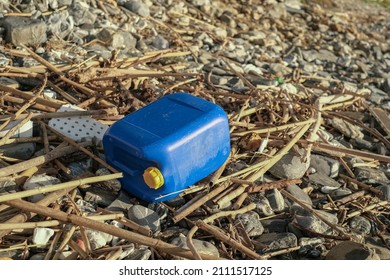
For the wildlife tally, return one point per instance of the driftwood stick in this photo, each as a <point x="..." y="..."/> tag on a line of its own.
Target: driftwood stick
<point x="281" y="252"/>
<point x="314" y="213"/>
<point x="192" y="205"/>
<point x="360" y="184"/>
<point x="83" y="221"/>
<point x="61" y="186"/>
<point x="341" y="152"/>
<point x="344" y="200"/>
<point x="253" y="188"/>
<point x="56" y="153"/>
<point x="366" y="209"/>
<point x="54" y="69"/>
<point x="274" y="129"/>
<point x="22" y="217"/>
<point x="84" y="150"/>
<point x="240" y="200"/>
<point x="28" y="139"/>
<point x="53" y="223"/>
<point x="129" y="223"/>
<point x="210" y="219"/>
<point x="49" y="102"/>
<point x="67" y="236"/>
<point x="217" y="233"/>
<point x="12" y="131"/>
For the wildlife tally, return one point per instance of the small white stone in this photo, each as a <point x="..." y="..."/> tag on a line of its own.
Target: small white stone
<point x="42" y="235"/>
<point x="38" y="181"/>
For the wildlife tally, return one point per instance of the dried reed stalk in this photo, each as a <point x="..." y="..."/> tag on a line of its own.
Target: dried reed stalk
<point x="121" y="233"/>
<point x="56" y="153"/>
<point x="57" y="187"/>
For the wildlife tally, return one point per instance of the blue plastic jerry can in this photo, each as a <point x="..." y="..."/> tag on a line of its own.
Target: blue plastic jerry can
<point x="168" y="145"/>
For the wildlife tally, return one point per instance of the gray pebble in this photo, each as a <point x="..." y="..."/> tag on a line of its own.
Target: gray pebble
<point x="347" y="129"/>
<point x="325" y="165"/>
<point x="251" y="222"/>
<point x="100" y="197"/>
<point x="360" y="225"/>
<point x="312" y="223"/>
<point x="276" y="200"/>
<point x="371" y="175"/>
<point x="274" y="225"/>
<point x="323" y="180"/>
<point x="139" y="254"/>
<point x="121" y="203"/>
<point x="262" y="205"/>
<point x="349" y="250"/>
<point x="299" y="194"/>
<point x="38" y="181"/>
<point x="145" y="217"/>
<point x="203" y="247"/>
<point x="291" y="166"/>
<point x="385" y="189"/>
<point x="277" y="241"/>
<point x="22" y="151"/>
<point x="138" y="7"/>
<point x="98" y="239"/>
<point x="123" y="39"/>
<point x="160" y="43"/>
<point x="23" y="30"/>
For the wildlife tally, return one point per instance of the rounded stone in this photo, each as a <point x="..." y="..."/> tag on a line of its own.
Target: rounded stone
<point x="251" y="223"/>
<point x="349" y="250"/>
<point x="145" y="217"/>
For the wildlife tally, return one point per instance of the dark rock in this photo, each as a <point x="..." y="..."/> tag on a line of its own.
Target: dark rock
<point x="274" y="225"/>
<point x="340" y="193"/>
<point x="23" y="30"/>
<point x="100" y="197"/>
<point x="175" y="202"/>
<point x="22" y="151"/>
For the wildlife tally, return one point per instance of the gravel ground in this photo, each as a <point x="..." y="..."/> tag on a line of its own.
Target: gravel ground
<point x="305" y="85"/>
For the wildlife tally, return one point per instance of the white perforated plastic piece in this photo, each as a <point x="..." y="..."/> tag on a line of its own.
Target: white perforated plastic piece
<point x="79" y="127"/>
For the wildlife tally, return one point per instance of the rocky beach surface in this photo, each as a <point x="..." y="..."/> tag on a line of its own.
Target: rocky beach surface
<point x="305" y="84"/>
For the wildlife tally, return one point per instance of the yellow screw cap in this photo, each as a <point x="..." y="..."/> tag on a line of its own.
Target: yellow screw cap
<point x="153" y="177"/>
